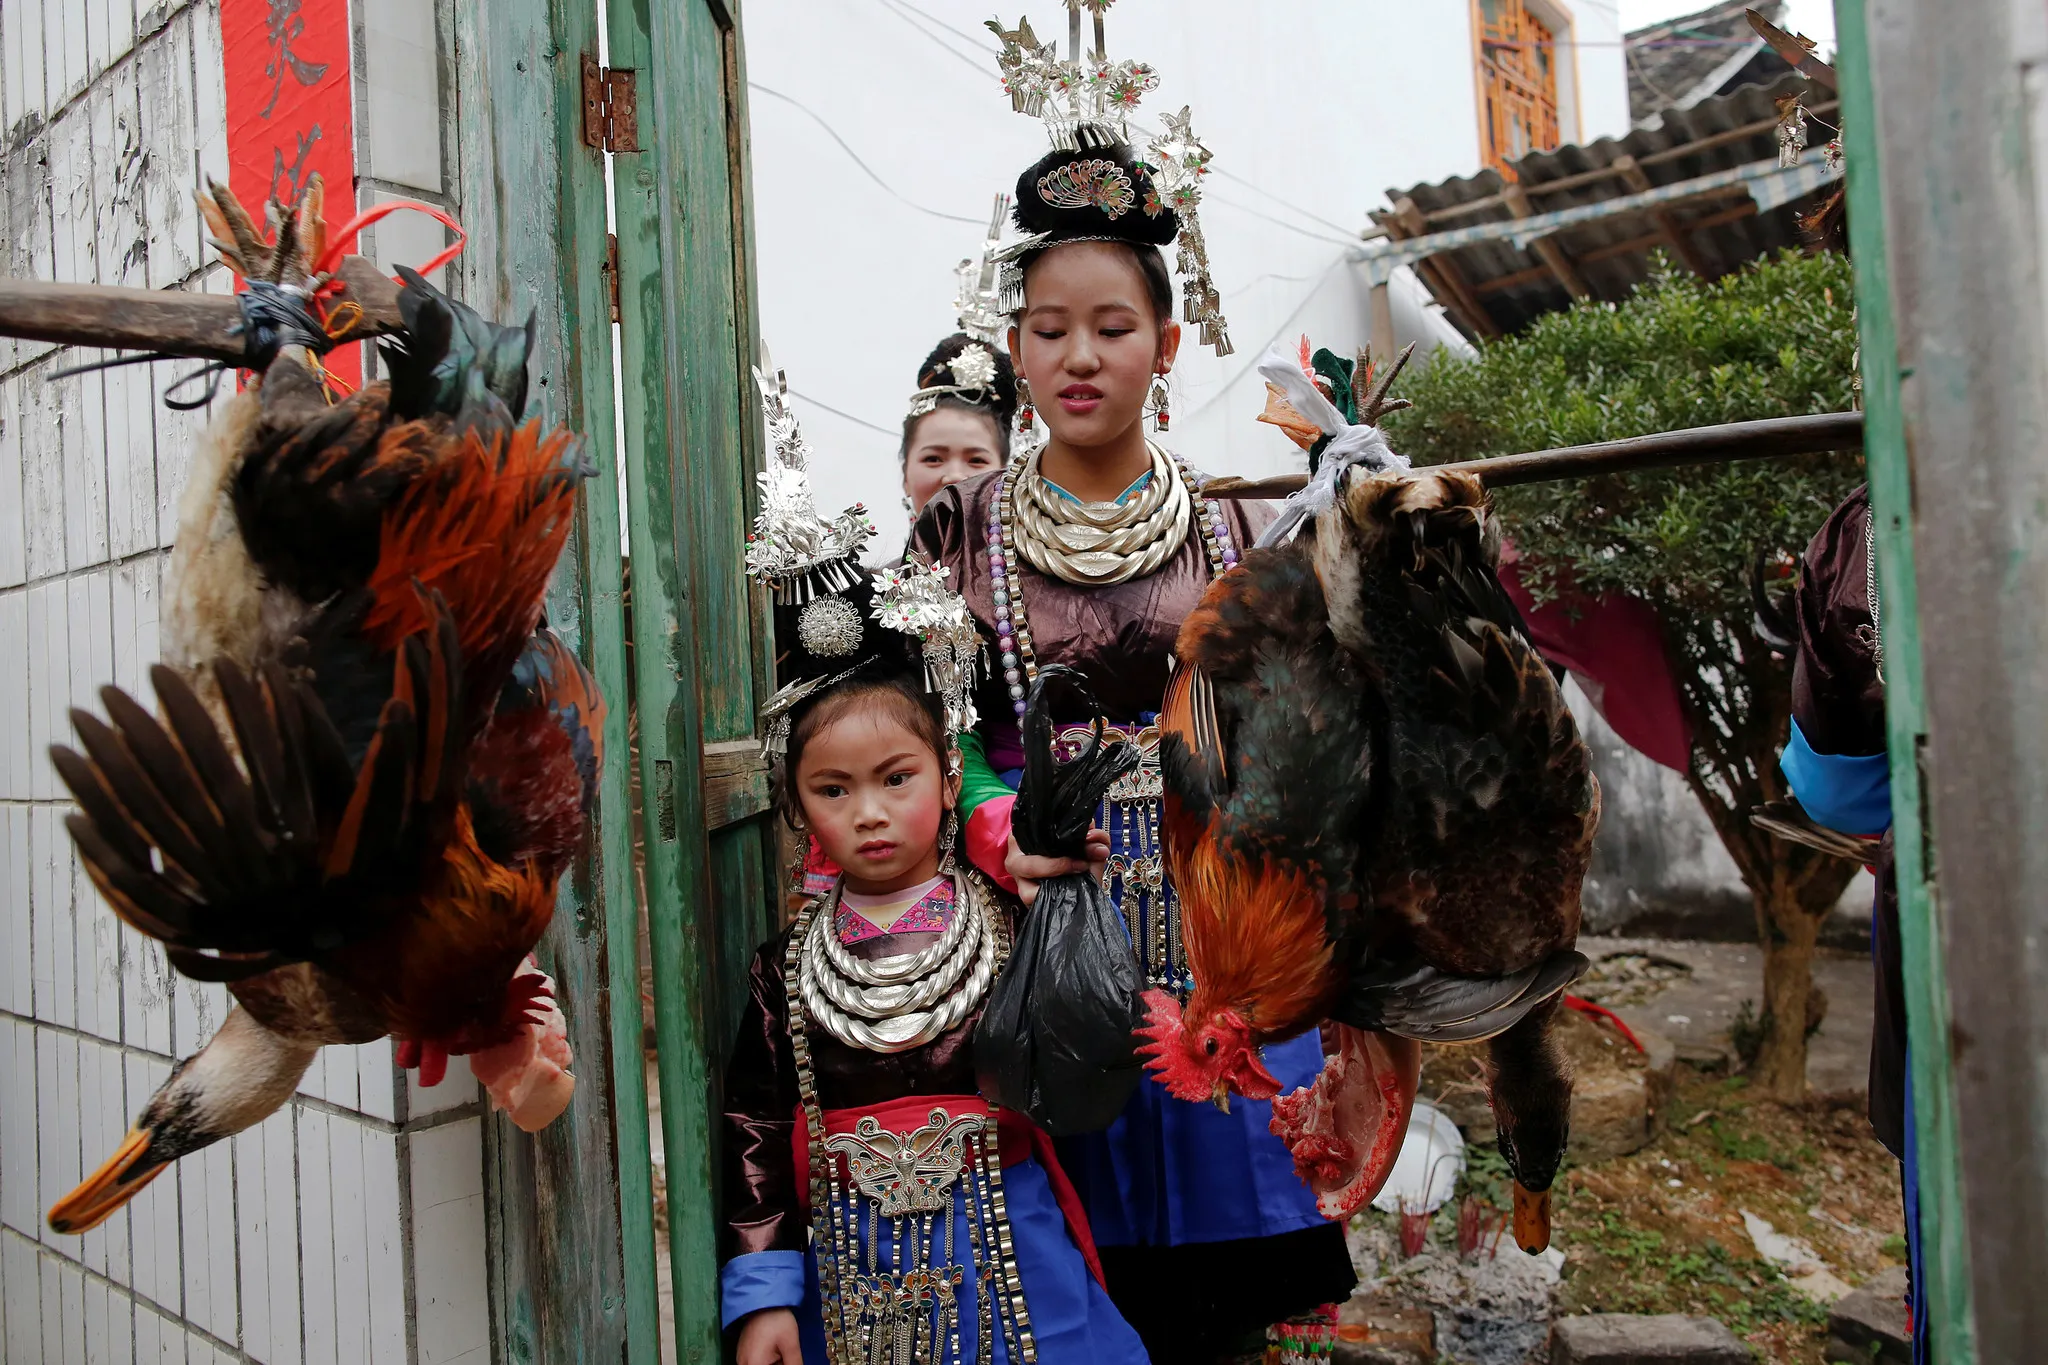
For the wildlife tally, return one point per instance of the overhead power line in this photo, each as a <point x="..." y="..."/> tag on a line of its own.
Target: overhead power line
<point x="897" y="8"/>
<point x="832" y="133"/>
<point x="857" y="421"/>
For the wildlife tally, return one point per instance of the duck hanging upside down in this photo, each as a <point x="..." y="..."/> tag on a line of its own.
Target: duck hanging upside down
<point x="374" y="761"/>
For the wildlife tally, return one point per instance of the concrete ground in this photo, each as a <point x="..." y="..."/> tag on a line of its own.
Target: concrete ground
<point x="1695" y="1010"/>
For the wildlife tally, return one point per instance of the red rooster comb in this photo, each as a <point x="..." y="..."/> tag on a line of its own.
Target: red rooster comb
<point x="1212" y="1063"/>
<point x="1162" y="1028"/>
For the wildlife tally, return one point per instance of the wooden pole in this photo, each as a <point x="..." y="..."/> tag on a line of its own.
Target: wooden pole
<point x="1770" y="437"/>
<point x="202" y="326"/>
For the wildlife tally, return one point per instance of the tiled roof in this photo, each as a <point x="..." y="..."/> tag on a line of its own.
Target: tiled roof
<point x="1669" y="62"/>
<point x="1612" y="255"/>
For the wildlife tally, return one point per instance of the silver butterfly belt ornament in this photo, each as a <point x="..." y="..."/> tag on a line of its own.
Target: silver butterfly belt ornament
<point x="906" y="1173"/>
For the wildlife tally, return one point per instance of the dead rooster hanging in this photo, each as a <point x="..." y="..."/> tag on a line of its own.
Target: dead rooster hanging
<point x="372" y="761"/>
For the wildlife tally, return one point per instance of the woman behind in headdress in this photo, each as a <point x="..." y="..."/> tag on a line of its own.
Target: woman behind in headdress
<point x="958" y="423"/>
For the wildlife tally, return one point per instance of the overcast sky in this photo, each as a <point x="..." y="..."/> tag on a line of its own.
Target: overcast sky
<point x="1814" y="18"/>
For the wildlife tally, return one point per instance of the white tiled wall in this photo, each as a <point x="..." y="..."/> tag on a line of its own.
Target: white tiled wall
<point x="349" y="1227"/>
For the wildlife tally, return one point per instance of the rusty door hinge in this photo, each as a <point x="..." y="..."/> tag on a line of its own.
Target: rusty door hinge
<point x="611" y="111"/>
<point x="611" y="272"/>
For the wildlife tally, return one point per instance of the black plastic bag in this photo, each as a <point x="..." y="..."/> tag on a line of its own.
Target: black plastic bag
<point x="1055" y="1039"/>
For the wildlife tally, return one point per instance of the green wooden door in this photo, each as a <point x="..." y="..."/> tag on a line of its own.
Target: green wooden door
<point x="570" y="1209"/>
<point x="692" y="439"/>
<point x="572" y="1240"/>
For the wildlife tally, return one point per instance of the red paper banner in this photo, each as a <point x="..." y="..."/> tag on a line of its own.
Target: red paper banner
<point x="289" y="111"/>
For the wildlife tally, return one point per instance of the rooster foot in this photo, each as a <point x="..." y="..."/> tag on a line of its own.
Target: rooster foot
<point x="301" y="233"/>
<point x="528" y="1075"/>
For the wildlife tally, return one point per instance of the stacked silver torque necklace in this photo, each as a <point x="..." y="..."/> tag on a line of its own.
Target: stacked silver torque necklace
<point x="882" y="1202"/>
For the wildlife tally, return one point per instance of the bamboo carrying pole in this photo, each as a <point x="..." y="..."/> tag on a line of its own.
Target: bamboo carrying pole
<point x="1772" y="436"/>
<point x="203" y="326"/>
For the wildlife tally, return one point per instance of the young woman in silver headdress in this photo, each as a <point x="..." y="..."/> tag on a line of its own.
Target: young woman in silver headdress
<point x="1089" y="550"/>
<point x="877" y="1208"/>
<point x="959" y="420"/>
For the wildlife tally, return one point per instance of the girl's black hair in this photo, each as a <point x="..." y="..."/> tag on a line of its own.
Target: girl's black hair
<point x="898" y="693"/>
<point x="1000" y="407"/>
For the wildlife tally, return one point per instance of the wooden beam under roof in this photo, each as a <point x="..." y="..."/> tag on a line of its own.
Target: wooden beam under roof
<point x="1502" y="283"/>
<point x="1441" y="273"/>
<point x="1674" y="236"/>
<point x="1546" y="249"/>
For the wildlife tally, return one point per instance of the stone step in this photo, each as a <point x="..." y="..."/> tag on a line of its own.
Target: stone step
<point x="1631" y="1339"/>
<point x="1870" y="1325"/>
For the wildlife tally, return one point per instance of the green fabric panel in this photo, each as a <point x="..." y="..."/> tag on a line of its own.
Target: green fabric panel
<point x="978" y="781"/>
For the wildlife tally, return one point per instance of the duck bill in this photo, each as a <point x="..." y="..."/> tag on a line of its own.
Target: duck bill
<point x="116" y="1182"/>
<point x="1346" y="1131"/>
<point x="1532" y="1219"/>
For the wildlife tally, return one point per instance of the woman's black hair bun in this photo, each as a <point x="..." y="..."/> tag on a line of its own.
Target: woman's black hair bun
<point x="937" y="372"/>
<point x="1099" y="192"/>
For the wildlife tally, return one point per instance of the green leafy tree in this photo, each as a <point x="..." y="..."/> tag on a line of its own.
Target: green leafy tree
<point x="1773" y="340"/>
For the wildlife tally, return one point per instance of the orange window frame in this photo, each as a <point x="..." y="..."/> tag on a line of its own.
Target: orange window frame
<point x="1515" y="55"/>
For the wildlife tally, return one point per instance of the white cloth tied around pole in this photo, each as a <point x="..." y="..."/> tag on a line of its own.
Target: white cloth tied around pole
<point x="1349" y="445"/>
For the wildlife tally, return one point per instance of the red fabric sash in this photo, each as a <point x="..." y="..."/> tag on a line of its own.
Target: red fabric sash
<point x="1016" y="1139"/>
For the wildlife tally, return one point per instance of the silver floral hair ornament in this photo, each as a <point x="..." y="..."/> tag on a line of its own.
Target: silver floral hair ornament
<point x="803" y="558"/>
<point x="1178" y="161"/>
<point x="913" y="598"/>
<point x="1084" y="103"/>
<point x="973" y="373"/>
<point x="974" y="295"/>
<point x="814" y="563"/>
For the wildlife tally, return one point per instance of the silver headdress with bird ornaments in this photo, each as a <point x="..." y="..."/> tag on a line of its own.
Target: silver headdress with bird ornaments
<point x="834" y="618"/>
<point x="974" y="296"/>
<point x="800" y="555"/>
<point x="971" y="366"/>
<point x="1094" y="186"/>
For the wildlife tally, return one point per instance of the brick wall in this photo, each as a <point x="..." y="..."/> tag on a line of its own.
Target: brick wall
<point x="349" y="1227"/>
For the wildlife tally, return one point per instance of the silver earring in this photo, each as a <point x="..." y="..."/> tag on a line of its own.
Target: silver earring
<point x="949" y="834"/>
<point x="908" y="510"/>
<point x="797" y="866"/>
<point x="1160" y="402"/>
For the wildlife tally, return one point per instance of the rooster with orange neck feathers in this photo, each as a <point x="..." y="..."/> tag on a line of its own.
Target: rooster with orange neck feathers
<point x="373" y="761"/>
<point x="1378" y="812"/>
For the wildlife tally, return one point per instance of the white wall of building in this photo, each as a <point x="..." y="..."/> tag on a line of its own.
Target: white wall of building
<point x="1312" y="107"/>
<point x="348" y="1227"/>
<point x="1600" y="70"/>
